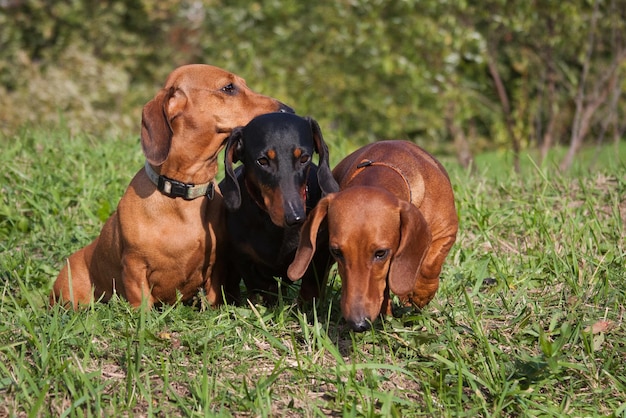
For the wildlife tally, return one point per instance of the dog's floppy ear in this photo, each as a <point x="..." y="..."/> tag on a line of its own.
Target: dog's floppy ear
<point x="230" y="185"/>
<point x="308" y="240"/>
<point x="156" y="127"/>
<point x="324" y="175"/>
<point x="415" y="240"/>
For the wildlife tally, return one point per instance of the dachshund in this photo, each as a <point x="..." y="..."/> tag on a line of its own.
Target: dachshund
<point x="268" y="197"/>
<point x="389" y="228"/>
<point x="164" y="241"/>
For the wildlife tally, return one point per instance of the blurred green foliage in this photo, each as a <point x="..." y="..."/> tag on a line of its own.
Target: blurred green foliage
<point x="366" y="69"/>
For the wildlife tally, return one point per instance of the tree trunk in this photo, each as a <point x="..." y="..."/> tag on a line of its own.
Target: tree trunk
<point x="610" y="119"/>
<point x="585" y="112"/>
<point x="552" y="105"/>
<point x="461" y="144"/>
<point x="576" y="138"/>
<point x="506" y="106"/>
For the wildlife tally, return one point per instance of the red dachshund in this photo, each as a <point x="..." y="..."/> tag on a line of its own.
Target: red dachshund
<point x="390" y="228"/>
<point x="164" y="240"/>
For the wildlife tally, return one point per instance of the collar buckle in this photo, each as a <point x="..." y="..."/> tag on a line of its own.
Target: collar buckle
<point x="174" y="188"/>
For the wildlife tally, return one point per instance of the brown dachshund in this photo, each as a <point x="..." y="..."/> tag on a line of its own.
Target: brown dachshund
<point x="390" y="228"/>
<point x="164" y="240"/>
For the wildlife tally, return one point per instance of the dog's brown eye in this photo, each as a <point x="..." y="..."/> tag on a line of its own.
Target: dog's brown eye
<point x="305" y="159"/>
<point x="229" y="88"/>
<point x="262" y="161"/>
<point x="381" y="254"/>
<point x="336" y="252"/>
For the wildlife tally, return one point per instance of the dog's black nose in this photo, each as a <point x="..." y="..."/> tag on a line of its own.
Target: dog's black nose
<point x="360" y="325"/>
<point x="294" y="219"/>
<point x="285" y="109"/>
<point x="294" y="213"/>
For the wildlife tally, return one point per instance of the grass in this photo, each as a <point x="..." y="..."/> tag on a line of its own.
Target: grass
<point x="528" y="321"/>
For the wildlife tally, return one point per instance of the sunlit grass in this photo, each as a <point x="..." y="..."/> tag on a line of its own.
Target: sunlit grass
<point x="528" y="320"/>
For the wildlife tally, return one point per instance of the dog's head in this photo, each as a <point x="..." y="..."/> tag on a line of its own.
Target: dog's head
<point x="186" y="124"/>
<point x="276" y="150"/>
<point x="378" y="244"/>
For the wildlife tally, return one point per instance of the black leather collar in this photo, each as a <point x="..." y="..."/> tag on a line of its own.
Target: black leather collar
<point x="174" y="188"/>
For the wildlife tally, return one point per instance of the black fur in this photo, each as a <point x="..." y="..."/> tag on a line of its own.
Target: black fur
<point x="261" y="250"/>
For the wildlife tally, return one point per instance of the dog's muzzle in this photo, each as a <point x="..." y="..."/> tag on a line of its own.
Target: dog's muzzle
<point x="360" y="325"/>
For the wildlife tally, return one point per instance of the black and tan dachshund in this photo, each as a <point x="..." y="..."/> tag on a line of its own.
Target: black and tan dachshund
<point x="268" y="197"/>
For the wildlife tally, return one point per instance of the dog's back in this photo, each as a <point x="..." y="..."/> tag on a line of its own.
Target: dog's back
<point x="424" y="176"/>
